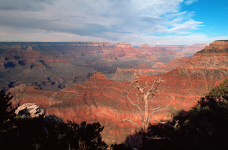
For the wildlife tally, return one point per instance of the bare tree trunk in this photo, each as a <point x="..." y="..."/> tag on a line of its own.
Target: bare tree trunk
<point x="145" y="113"/>
<point x="145" y="120"/>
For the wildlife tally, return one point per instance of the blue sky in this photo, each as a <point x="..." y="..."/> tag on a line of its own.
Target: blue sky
<point x="164" y="22"/>
<point x="213" y="14"/>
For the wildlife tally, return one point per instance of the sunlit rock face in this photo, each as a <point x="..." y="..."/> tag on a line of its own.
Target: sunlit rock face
<point x="123" y="45"/>
<point x="217" y="45"/>
<point x="104" y="100"/>
<point x="29" y="110"/>
<point x="206" y="69"/>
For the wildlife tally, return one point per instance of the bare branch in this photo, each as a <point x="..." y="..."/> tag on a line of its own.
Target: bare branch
<point x="136" y="105"/>
<point x="166" y="138"/>
<point x="136" y="79"/>
<point x="129" y="120"/>
<point x="176" y="124"/>
<point x="156" y="110"/>
<point x="144" y="88"/>
<point x="137" y="98"/>
<point x="127" y="79"/>
<point x="152" y="86"/>
<point x="132" y="82"/>
<point x="151" y="95"/>
<point x="163" y="122"/>
<point x="153" y="137"/>
<point x="157" y="138"/>
<point x="140" y="89"/>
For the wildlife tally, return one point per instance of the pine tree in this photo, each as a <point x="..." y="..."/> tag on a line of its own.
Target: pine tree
<point x="6" y="112"/>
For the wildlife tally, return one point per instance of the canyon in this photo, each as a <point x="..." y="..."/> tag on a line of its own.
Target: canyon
<point x="81" y="77"/>
<point x="56" y="65"/>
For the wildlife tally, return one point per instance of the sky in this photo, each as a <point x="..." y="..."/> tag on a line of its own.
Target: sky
<point x="155" y="22"/>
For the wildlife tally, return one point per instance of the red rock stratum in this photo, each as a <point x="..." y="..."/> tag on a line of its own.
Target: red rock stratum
<point x="104" y="100"/>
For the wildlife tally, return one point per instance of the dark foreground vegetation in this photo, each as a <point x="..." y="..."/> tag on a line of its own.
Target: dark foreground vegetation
<point x="45" y="133"/>
<point x="205" y="126"/>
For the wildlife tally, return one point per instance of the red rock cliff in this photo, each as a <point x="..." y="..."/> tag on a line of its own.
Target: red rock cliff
<point x="104" y="100"/>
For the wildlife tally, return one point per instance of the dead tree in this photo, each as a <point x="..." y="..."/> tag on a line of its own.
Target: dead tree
<point x="146" y="93"/>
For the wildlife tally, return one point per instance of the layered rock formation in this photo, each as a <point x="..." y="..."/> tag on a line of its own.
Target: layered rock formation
<point x="185" y="50"/>
<point x="104" y="100"/>
<point x="121" y="51"/>
<point x="55" y="65"/>
<point x="143" y="51"/>
<point x="123" y="45"/>
<point x="127" y="73"/>
<point x="49" y="70"/>
<point x="172" y="64"/>
<point x="206" y="69"/>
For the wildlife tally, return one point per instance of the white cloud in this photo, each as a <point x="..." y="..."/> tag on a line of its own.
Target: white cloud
<point x="23" y="4"/>
<point x="29" y="35"/>
<point x="189" y="2"/>
<point x="13" y="34"/>
<point x="101" y="19"/>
